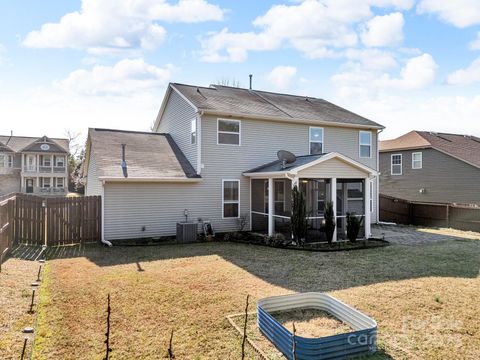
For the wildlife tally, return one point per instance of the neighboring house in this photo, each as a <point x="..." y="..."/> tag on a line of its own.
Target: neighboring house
<point x="33" y="165"/>
<point x="431" y="167"/>
<point x="213" y="156"/>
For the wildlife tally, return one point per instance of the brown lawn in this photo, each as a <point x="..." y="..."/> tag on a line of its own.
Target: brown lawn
<point x="424" y="298"/>
<point x="15" y="297"/>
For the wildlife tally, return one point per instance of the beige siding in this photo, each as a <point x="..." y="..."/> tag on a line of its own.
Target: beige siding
<point x="445" y="178"/>
<point x="93" y="185"/>
<point x="176" y="121"/>
<point x="333" y="168"/>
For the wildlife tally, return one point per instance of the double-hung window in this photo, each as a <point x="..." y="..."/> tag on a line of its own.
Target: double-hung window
<point x="45" y="182"/>
<point x="6" y="160"/>
<point x="417" y="161"/>
<point x="59" y="182"/>
<point x="396" y="164"/>
<point x="60" y="161"/>
<point x="316" y="140"/>
<point x="228" y="132"/>
<point x="365" y="144"/>
<point x="231" y="198"/>
<point x="193" y="131"/>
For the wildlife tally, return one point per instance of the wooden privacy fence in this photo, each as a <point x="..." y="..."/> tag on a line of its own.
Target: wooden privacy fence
<point x="400" y="211"/>
<point x="34" y="220"/>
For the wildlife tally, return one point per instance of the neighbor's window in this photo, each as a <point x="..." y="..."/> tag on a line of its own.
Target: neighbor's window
<point x="228" y="132"/>
<point x="231" y="198"/>
<point x="46" y="160"/>
<point x="396" y="164"/>
<point x="365" y="144"/>
<point x="193" y="131"/>
<point x="45" y="182"/>
<point x="60" y="161"/>
<point x="316" y="140"/>
<point x="60" y="182"/>
<point x="417" y="161"/>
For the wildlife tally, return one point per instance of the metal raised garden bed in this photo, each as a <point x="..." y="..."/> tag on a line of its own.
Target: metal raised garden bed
<point x="360" y="341"/>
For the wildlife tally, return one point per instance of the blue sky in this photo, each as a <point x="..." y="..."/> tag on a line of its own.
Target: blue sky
<point x="77" y="64"/>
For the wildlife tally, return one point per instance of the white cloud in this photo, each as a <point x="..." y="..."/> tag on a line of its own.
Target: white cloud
<point x="372" y="59"/>
<point x="461" y="13"/>
<point x="466" y="76"/>
<point x="116" y="25"/>
<point x="317" y="28"/>
<point x="475" y="44"/>
<point x="281" y="76"/>
<point x="124" y="78"/>
<point x="386" y="30"/>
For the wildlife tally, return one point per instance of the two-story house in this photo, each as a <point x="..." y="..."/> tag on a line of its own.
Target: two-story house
<point x="431" y="167"/>
<point x="213" y="156"/>
<point x="33" y="165"/>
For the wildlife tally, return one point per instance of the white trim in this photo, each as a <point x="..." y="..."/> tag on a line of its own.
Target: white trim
<point x="199" y="143"/>
<point x="371" y="195"/>
<point x="360" y="144"/>
<point x="145" y="179"/>
<point x="368" y="233"/>
<point x="333" y="199"/>
<point x="230" y="132"/>
<point x="317" y="123"/>
<point x="250" y="202"/>
<point x="230" y="201"/>
<point x="271" y="205"/>
<point x="193" y="122"/>
<point x="413" y="160"/>
<point x="310" y="140"/>
<point x="391" y="164"/>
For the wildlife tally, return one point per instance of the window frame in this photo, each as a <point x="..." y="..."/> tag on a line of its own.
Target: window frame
<point x="193" y="131"/>
<point x="229" y="132"/>
<point x="49" y="157"/>
<point x="413" y="160"/>
<point x="316" y="142"/>
<point x="230" y="201"/>
<point x="401" y="164"/>
<point x="56" y="182"/>
<point x="49" y="183"/>
<point x="56" y="157"/>
<point x="360" y="144"/>
<point x="7" y="161"/>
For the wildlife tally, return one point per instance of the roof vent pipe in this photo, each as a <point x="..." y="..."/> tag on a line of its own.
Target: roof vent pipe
<point x="250" y="76"/>
<point x="124" y="163"/>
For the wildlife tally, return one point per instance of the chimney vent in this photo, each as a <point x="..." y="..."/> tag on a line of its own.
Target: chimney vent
<point x="124" y="163"/>
<point x="250" y="76"/>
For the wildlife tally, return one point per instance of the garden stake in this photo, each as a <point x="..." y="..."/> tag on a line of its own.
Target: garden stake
<point x="294" y="345"/>
<point x="171" y="356"/>
<point x="38" y="275"/>
<point x="245" y="329"/>
<point x="24" y="347"/>
<point x="107" y="334"/>
<point x="33" y="298"/>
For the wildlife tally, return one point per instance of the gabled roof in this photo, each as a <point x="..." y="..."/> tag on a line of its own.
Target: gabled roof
<point x="19" y="143"/>
<point x="238" y="102"/>
<point x="303" y="162"/>
<point x="149" y="156"/>
<point x="463" y="147"/>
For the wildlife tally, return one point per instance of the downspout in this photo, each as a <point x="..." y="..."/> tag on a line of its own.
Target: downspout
<point x="102" y="238"/>
<point x="377" y="208"/>
<point x="199" y="141"/>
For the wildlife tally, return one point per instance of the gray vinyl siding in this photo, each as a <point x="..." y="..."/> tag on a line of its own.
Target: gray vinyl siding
<point x="93" y="185"/>
<point x="333" y="168"/>
<point x="446" y="179"/>
<point x="176" y="121"/>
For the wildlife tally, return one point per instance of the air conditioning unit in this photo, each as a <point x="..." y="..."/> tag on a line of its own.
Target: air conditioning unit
<point x="187" y="232"/>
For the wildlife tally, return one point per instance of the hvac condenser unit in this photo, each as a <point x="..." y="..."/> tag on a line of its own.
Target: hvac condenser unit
<point x="187" y="232"/>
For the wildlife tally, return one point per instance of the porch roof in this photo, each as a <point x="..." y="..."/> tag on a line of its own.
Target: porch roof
<point x="304" y="162"/>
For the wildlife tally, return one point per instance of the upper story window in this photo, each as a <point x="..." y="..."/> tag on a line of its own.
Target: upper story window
<point x="228" y="132"/>
<point x="59" y="182"/>
<point x="6" y="160"/>
<point x="417" y="161"/>
<point x="316" y="140"/>
<point x="193" y="131"/>
<point x="60" y="161"/>
<point x="46" y="160"/>
<point x="396" y="164"/>
<point x="365" y="141"/>
<point x="231" y="198"/>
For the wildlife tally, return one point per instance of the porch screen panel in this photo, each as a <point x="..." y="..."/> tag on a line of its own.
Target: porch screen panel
<point x="259" y="220"/>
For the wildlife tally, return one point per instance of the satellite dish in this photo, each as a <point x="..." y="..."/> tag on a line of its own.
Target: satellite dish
<point x="286" y="156"/>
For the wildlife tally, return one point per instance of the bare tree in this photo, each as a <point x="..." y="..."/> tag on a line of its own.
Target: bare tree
<point x="75" y="160"/>
<point x="228" y="82"/>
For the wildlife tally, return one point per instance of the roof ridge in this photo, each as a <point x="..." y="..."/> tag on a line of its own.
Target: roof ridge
<point x="129" y="131"/>
<point x="271" y="103"/>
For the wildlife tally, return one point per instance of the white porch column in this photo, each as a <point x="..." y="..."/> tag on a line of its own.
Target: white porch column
<point x="334" y="202"/>
<point x="368" y="233"/>
<point x="271" y="223"/>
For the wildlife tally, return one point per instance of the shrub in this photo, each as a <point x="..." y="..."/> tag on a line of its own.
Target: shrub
<point x="298" y="220"/>
<point x="329" y="221"/>
<point x="354" y="224"/>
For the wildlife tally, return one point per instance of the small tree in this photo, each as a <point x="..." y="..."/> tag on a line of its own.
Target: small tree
<point x="354" y="223"/>
<point x="298" y="220"/>
<point x="329" y="216"/>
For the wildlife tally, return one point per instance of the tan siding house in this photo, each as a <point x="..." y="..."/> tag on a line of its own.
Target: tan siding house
<point x="235" y="131"/>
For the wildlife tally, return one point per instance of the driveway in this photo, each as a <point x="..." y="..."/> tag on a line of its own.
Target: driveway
<point x="412" y="235"/>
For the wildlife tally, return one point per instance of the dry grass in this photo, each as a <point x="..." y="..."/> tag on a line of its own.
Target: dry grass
<point x="452" y="232"/>
<point x="424" y="298"/>
<point x="15" y="297"/>
<point x="311" y="323"/>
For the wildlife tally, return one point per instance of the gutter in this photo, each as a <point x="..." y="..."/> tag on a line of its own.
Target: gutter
<point x="105" y="179"/>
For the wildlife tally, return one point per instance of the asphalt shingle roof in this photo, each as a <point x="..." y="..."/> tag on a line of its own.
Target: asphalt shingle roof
<point x="463" y="147"/>
<point x="18" y="143"/>
<point x="148" y="155"/>
<point x="255" y="103"/>
<point x="278" y="166"/>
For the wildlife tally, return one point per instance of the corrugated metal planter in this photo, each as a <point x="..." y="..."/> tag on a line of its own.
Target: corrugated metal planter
<point x="360" y="341"/>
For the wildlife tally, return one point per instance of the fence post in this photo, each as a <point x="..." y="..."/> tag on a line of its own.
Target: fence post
<point x="448" y="216"/>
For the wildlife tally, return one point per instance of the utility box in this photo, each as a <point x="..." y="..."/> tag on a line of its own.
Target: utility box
<point x="187" y="232"/>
